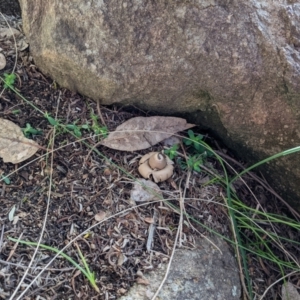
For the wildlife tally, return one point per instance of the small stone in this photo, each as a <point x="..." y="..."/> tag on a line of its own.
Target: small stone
<point x="145" y="191"/>
<point x="100" y="216"/>
<point x="107" y="172"/>
<point x="2" y="61"/>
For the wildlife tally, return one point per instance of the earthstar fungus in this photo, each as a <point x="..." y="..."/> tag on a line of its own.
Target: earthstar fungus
<point x="156" y="164"/>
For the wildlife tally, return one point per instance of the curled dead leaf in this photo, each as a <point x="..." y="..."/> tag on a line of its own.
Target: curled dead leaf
<point x="14" y="146"/>
<point x="116" y="258"/>
<point x="143" y="132"/>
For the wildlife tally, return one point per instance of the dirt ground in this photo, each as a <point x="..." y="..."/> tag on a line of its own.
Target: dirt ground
<point x="70" y="190"/>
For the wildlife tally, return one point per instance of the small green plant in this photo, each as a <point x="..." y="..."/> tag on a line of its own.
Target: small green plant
<point x="194" y="140"/>
<point x="198" y="144"/>
<point x="77" y="128"/>
<point x="102" y="131"/>
<point x="5" y="179"/>
<point x="98" y="129"/>
<point x="172" y="152"/>
<point x="9" y="80"/>
<point x="85" y="271"/>
<point x="51" y="120"/>
<point x="200" y="151"/>
<point x="29" y="130"/>
<point x="16" y="111"/>
<point x="193" y="163"/>
<point x="95" y="127"/>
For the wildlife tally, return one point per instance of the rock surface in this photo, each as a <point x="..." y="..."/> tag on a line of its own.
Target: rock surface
<point x="203" y="273"/>
<point x="233" y="65"/>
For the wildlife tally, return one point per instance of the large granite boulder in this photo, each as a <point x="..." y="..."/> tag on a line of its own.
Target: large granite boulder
<point x="233" y="65"/>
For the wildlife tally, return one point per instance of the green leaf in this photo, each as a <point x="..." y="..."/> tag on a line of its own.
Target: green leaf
<point x="100" y="130"/>
<point x="16" y="111"/>
<point x="51" y="120"/>
<point x="197" y="168"/>
<point x="86" y="271"/>
<point x="9" y="80"/>
<point x="191" y="134"/>
<point x="71" y="126"/>
<point x="199" y="148"/>
<point x="196" y="141"/>
<point x="30" y="130"/>
<point x="194" y="163"/>
<point x="5" y="179"/>
<point x="77" y="132"/>
<point x="94" y="117"/>
<point x="172" y="152"/>
<point x="187" y="142"/>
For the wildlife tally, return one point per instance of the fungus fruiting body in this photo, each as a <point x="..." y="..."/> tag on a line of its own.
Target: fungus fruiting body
<point x="157" y="161"/>
<point x="156" y="164"/>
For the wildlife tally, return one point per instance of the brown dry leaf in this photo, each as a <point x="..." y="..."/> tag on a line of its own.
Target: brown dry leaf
<point x="143" y="132"/>
<point x="14" y="147"/>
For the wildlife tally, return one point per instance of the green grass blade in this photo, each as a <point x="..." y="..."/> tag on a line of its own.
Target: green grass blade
<point x="87" y="273"/>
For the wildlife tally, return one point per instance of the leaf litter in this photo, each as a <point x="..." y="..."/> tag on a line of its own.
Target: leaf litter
<point x="14" y="146"/>
<point x="144" y="132"/>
